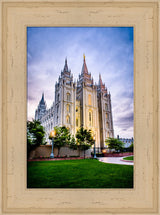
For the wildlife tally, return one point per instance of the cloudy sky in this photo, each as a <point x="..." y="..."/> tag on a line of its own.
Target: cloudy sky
<point x="108" y="51"/>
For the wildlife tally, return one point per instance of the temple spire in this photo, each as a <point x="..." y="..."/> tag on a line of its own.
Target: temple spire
<point x="42" y="96"/>
<point x="42" y="99"/>
<point x="102" y="85"/>
<point x="100" y="80"/>
<point x="84" y="67"/>
<point x="65" y="66"/>
<point x="84" y="57"/>
<point x="66" y="61"/>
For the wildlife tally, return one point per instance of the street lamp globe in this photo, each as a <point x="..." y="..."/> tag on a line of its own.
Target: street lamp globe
<point x="52" y="134"/>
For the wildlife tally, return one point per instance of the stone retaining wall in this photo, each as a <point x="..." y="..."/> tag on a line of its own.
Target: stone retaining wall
<point x="45" y="151"/>
<point x="117" y="154"/>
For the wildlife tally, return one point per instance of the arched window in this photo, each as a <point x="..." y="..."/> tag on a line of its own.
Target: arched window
<point x="107" y="125"/>
<point x="108" y="134"/>
<point x="68" y="108"/>
<point x="90" y="118"/>
<point x="68" y="119"/>
<point x="68" y="96"/>
<point x="106" y="107"/>
<point x="77" y="122"/>
<point x="58" y="98"/>
<point x="89" y="100"/>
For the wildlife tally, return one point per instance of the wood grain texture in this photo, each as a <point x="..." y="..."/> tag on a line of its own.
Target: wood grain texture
<point x="143" y="15"/>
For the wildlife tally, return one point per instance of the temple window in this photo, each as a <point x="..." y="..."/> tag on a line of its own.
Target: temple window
<point x="77" y="122"/>
<point x="68" y="119"/>
<point x="108" y="134"/>
<point x="106" y="107"/>
<point x="68" y="96"/>
<point x="90" y="118"/>
<point x="89" y="100"/>
<point x="68" y="108"/>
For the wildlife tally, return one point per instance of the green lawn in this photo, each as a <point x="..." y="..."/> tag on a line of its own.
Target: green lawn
<point x="130" y="158"/>
<point x="88" y="173"/>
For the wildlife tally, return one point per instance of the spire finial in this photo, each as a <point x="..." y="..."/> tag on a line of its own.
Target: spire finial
<point x="100" y="80"/>
<point x="84" y="57"/>
<point x="65" y="65"/>
<point x="43" y="95"/>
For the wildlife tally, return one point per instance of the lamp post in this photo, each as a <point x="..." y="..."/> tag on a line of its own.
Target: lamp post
<point x="52" y="135"/>
<point x="94" y="138"/>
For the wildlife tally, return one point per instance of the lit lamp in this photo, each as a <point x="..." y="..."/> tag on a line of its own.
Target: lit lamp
<point x="104" y="151"/>
<point x="52" y="135"/>
<point x="94" y="138"/>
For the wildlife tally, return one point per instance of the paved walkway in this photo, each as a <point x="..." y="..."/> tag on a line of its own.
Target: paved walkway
<point x="115" y="160"/>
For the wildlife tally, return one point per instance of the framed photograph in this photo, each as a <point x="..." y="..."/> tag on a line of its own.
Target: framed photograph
<point x="91" y="116"/>
<point x="40" y="40"/>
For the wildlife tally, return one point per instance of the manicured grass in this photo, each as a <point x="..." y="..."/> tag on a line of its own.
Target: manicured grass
<point x="130" y="158"/>
<point x="88" y="173"/>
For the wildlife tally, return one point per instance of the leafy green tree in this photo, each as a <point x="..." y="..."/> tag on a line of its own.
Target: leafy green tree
<point x="72" y="143"/>
<point x="84" y="139"/>
<point x="62" y="137"/>
<point x="131" y="147"/>
<point x="115" y="144"/>
<point x="35" y="135"/>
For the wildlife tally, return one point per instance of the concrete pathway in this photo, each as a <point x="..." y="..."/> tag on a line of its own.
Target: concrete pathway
<point x="115" y="160"/>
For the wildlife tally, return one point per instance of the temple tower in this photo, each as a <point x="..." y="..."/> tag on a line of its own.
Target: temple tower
<point x="65" y="100"/>
<point x="41" y="108"/>
<point x="105" y="112"/>
<point x="87" y="97"/>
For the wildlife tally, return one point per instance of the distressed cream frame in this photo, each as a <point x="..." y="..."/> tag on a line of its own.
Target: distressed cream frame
<point x="15" y="17"/>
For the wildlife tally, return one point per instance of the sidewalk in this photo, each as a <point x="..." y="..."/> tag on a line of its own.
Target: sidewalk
<point x="115" y="160"/>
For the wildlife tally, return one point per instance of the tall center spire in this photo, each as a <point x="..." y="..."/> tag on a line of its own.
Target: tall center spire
<point x="84" y="67"/>
<point x="84" y="57"/>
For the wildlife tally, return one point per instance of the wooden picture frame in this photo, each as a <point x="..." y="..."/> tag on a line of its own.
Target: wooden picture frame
<point x="15" y="17"/>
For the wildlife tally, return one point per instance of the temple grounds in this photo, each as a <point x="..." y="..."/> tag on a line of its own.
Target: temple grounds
<point x="85" y="173"/>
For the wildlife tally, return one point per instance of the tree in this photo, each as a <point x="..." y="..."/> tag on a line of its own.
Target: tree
<point x="131" y="147"/>
<point x="116" y="144"/>
<point x="84" y="139"/>
<point x="72" y="143"/>
<point x="35" y="135"/>
<point x="62" y="137"/>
